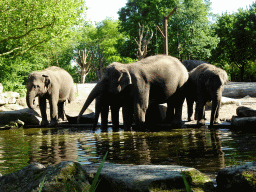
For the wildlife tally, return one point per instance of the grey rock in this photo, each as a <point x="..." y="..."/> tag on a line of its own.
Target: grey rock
<point x="85" y="119"/>
<point x="28" y="116"/>
<point x="239" y="178"/>
<point x="245" y="122"/>
<point x="243" y="111"/>
<point x="124" y="178"/>
<point x="57" y="178"/>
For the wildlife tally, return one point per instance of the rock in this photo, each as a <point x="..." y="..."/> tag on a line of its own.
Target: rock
<point x="61" y="177"/>
<point x="115" y="177"/>
<point x="239" y="178"/>
<point x="85" y="119"/>
<point x="28" y="116"/>
<point x="239" y="89"/>
<point x="243" y="111"/>
<point x="245" y="122"/>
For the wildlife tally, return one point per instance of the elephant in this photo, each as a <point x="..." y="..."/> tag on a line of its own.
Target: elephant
<point x="103" y="102"/>
<point x="206" y="83"/>
<point x="153" y="80"/>
<point x="54" y="84"/>
<point x="191" y="64"/>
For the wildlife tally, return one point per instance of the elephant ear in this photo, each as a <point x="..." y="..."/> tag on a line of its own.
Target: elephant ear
<point x="124" y="79"/>
<point x="47" y="80"/>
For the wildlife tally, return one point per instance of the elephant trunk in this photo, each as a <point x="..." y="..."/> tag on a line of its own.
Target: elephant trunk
<point x="30" y="98"/>
<point x="94" y="93"/>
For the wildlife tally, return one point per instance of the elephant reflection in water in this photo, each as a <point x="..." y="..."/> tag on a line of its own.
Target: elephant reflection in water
<point x="153" y="80"/>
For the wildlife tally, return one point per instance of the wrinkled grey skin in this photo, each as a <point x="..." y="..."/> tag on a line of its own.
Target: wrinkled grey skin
<point x="54" y="84"/>
<point x="153" y="80"/>
<point x="206" y="83"/>
<point x="191" y="64"/>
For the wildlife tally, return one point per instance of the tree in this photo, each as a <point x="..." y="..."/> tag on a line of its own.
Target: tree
<point x="26" y="25"/>
<point x="237" y="39"/>
<point x="148" y="13"/>
<point x="142" y="43"/>
<point x="83" y="64"/>
<point x="190" y="21"/>
<point x="103" y="41"/>
<point x="190" y="29"/>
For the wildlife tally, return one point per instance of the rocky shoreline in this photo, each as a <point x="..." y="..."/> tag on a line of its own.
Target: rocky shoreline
<point x="115" y="177"/>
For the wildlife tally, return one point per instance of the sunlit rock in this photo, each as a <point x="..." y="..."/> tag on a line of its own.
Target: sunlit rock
<point x="116" y="177"/>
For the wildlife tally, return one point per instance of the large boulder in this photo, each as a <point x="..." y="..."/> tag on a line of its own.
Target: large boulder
<point x="116" y="177"/>
<point x="28" y="116"/>
<point x="243" y="111"/>
<point x="239" y="178"/>
<point x="65" y="176"/>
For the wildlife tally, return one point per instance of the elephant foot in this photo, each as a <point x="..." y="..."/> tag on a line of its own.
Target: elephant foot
<point x="53" y="123"/>
<point x="44" y="123"/>
<point x="177" y="123"/>
<point x="201" y="122"/>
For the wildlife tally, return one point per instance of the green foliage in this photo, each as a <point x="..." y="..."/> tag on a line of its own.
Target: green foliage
<point x="237" y="42"/>
<point x="104" y="36"/>
<point x="96" y="181"/>
<point x="196" y="38"/>
<point x="148" y="13"/>
<point x="190" y="21"/>
<point x="26" y="25"/>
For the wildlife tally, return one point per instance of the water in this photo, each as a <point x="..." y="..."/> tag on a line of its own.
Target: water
<point x="204" y="149"/>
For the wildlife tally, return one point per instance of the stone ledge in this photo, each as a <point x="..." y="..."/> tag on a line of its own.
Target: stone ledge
<point x="116" y="177"/>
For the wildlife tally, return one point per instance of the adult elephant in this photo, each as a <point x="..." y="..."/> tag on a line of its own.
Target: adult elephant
<point x="153" y="80"/>
<point x="206" y="83"/>
<point x="54" y="84"/>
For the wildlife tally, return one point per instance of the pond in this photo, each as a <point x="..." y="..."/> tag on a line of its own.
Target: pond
<point x="207" y="150"/>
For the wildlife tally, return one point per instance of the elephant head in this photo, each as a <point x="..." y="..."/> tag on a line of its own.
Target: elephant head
<point x="116" y="79"/>
<point x="37" y="85"/>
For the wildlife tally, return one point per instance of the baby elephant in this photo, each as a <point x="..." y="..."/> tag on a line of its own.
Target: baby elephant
<point x="206" y="83"/>
<point x="54" y="84"/>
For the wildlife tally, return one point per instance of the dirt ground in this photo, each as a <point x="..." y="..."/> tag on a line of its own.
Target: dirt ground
<point x="73" y="109"/>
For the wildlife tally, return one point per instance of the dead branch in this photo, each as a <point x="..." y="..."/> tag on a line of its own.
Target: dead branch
<point x="142" y="43"/>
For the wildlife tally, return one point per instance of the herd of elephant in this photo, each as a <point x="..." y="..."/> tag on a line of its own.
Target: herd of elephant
<point x="135" y="87"/>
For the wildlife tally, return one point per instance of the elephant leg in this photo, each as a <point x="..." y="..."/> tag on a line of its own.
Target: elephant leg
<point x="42" y="105"/>
<point x="190" y="104"/>
<point x="61" y="111"/>
<point x="115" y="117"/>
<point x="200" y="112"/>
<point x="215" y="110"/>
<point x="169" y="113"/>
<point x="127" y="117"/>
<point x="104" y="117"/>
<point x="53" y="112"/>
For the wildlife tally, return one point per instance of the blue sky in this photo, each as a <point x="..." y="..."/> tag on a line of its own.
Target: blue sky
<point x="100" y="9"/>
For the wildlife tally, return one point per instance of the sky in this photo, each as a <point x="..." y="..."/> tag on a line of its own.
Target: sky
<point x="101" y="9"/>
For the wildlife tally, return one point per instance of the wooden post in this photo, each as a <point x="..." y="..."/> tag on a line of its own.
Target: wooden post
<point x="165" y="31"/>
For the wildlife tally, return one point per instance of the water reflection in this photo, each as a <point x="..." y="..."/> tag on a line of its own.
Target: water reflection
<point x="205" y="149"/>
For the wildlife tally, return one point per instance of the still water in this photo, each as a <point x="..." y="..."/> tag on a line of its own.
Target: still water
<point x="204" y="149"/>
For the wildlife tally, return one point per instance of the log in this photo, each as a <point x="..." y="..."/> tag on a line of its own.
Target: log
<point x="239" y="89"/>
